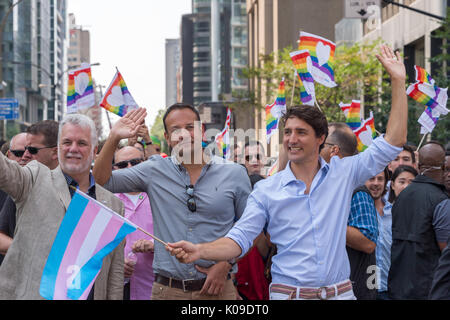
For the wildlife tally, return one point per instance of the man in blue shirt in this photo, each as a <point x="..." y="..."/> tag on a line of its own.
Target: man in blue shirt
<point x="306" y="206"/>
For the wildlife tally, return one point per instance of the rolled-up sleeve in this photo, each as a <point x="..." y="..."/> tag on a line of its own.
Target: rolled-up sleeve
<point x="373" y="160"/>
<point x="250" y="225"/>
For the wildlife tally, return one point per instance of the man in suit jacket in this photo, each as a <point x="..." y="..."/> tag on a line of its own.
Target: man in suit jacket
<point x="42" y="197"/>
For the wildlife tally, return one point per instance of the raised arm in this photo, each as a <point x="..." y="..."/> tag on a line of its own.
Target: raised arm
<point x="396" y="130"/>
<point x="125" y="128"/>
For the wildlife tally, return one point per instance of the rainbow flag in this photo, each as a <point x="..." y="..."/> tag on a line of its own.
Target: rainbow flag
<point x="80" y="90"/>
<point x="275" y="111"/>
<point x="223" y="138"/>
<point x="366" y="133"/>
<point x="117" y="98"/>
<point x="345" y="107"/>
<point x="430" y="95"/>
<point x="321" y="51"/>
<point x="422" y="75"/>
<point x="273" y="169"/>
<point x="87" y="234"/>
<point x="427" y="121"/>
<point x="302" y="63"/>
<point x="354" y="115"/>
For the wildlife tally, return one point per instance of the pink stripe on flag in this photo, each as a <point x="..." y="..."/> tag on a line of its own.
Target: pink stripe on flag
<point x="110" y="233"/>
<point x="73" y="249"/>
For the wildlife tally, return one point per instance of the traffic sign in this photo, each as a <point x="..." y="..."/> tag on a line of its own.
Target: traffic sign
<point x="9" y="108"/>
<point x="359" y="9"/>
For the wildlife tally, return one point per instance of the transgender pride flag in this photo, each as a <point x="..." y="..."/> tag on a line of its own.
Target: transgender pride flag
<point x="88" y="233"/>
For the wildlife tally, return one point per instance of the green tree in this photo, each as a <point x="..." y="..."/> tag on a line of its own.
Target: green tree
<point x="157" y="129"/>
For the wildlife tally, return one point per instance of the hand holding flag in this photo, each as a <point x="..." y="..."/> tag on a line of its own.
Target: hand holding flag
<point x="129" y="125"/>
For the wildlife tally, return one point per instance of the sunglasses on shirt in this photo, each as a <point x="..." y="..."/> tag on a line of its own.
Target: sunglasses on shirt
<point x="124" y="164"/>
<point x="191" y="201"/>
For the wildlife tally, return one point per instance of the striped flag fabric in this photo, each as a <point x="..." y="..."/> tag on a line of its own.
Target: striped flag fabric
<point x="80" y="89"/>
<point x="354" y="115"/>
<point x="345" y="107"/>
<point x="222" y="139"/>
<point x="366" y="133"/>
<point x="422" y="75"/>
<point x="302" y="63"/>
<point x="321" y="51"/>
<point x="275" y="111"/>
<point x="117" y="98"/>
<point x="88" y="233"/>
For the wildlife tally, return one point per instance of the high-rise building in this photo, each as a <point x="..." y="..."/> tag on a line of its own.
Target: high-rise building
<point x="58" y="63"/>
<point x="80" y="52"/>
<point x="30" y="61"/>
<point x="80" y="44"/>
<point x="172" y="69"/>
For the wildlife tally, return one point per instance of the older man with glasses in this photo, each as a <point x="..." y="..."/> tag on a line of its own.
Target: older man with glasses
<point x="42" y="197"/>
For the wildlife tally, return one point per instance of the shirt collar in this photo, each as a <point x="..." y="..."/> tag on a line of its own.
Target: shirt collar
<point x="288" y="176"/>
<point x="72" y="182"/>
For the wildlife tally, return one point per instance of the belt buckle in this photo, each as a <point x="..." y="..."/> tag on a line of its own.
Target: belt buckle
<point x="320" y="291"/>
<point x="184" y="284"/>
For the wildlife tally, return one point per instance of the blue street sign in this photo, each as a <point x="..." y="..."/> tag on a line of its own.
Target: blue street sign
<point x="9" y="108"/>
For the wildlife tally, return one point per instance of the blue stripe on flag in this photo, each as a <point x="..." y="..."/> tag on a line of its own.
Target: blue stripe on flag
<point x="93" y="266"/>
<point x="68" y="225"/>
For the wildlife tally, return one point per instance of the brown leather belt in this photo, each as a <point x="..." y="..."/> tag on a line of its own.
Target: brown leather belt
<point x="185" y="285"/>
<point x="321" y="293"/>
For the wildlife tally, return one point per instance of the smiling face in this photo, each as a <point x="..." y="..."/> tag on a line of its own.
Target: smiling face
<point x="376" y="185"/>
<point x="183" y="131"/>
<point x="300" y="141"/>
<point x="75" y="150"/>
<point x="403" y="158"/>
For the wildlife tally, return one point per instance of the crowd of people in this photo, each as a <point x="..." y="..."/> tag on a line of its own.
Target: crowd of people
<point x="331" y="224"/>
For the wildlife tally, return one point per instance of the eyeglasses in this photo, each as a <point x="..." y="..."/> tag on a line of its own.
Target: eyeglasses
<point x="17" y="153"/>
<point x="191" y="201"/>
<point x="34" y="150"/>
<point x="257" y="156"/>
<point x="124" y="164"/>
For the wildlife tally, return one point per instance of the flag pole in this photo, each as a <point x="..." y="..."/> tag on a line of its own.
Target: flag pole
<point x="421" y="141"/>
<point x="317" y="104"/>
<point x="149" y="234"/>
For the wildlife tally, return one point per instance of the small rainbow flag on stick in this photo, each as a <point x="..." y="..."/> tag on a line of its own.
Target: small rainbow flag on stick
<point x="354" y="115"/>
<point x="80" y="91"/>
<point x="275" y="111"/>
<point x="302" y="63"/>
<point x="321" y="51"/>
<point x="434" y="98"/>
<point x="366" y="133"/>
<point x="422" y="75"/>
<point x="223" y="138"/>
<point x="117" y="98"/>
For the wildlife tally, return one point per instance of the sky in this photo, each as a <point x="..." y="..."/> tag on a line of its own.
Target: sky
<point x="130" y="35"/>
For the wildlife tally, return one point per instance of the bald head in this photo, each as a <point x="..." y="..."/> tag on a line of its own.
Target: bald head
<point x="17" y="149"/>
<point x="432" y="160"/>
<point x="127" y="153"/>
<point x="18" y="141"/>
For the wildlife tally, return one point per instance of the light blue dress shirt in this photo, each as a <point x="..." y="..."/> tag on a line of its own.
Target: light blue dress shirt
<point x="384" y="243"/>
<point x="309" y="229"/>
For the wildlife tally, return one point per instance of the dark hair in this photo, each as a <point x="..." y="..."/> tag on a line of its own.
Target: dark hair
<point x="397" y="172"/>
<point x="5" y="147"/>
<point x="344" y="138"/>
<point x="48" y="128"/>
<point x="312" y="116"/>
<point x="179" y="106"/>
<point x="411" y="151"/>
<point x="254" y="143"/>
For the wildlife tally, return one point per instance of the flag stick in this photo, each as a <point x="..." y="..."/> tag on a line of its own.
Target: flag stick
<point x="317" y="105"/>
<point x="421" y="141"/>
<point x="149" y="234"/>
<point x="293" y="87"/>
